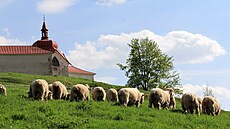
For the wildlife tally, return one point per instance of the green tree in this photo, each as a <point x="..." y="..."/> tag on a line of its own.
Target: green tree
<point x="148" y="67"/>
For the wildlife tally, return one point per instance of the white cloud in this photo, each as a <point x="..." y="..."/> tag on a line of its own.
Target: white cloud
<point x="4" y="3"/>
<point x="219" y="92"/>
<point x="54" y="6"/>
<point x="110" y="2"/>
<point x="5" y="40"/>
<point x="192" y="48"/>
<point x="109" y="50"/>
<point x="8" y="41"/>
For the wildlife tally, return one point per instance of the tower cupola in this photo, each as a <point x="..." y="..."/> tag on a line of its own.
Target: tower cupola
<point x="44" y="31"/>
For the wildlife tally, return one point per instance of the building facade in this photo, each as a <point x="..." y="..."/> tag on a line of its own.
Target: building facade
<point x="43" y="58"/>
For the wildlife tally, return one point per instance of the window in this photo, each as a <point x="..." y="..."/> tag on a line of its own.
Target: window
<point x="55" y="62"/>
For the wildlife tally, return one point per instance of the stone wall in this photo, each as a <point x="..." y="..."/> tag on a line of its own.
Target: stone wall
<point x="31" y="64"/>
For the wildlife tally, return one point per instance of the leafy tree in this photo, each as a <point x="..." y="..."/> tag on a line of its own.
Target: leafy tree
<point x="147" y="66"/>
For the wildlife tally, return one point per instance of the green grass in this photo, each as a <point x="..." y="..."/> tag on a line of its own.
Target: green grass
<point x="20" y="78"/>
<point x="17" y="111"/>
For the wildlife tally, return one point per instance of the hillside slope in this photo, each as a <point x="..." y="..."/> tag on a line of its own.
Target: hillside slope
<point x="17" y="111"/>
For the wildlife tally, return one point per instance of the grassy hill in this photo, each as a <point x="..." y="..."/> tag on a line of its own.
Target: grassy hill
<point x="17" y="111"/>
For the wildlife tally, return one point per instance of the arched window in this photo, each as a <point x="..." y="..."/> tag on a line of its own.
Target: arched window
<point x="55" y="62"/>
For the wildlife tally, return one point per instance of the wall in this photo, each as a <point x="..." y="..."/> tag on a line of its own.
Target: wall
<point x="63" y="68"/>
<point x="75" y="75"/>
<point x="32" y="64"/>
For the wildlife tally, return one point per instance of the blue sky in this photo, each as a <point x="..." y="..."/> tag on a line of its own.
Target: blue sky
<point x="94" y="34"/>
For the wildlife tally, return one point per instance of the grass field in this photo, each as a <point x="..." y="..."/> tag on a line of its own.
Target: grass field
<point x="17" y="111"/>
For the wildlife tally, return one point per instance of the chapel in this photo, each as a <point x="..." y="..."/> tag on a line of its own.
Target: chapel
<point x="42" y="57"/>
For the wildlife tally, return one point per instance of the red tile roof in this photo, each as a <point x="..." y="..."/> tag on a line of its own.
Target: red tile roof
<point x="11" y="50"/>
<point x="46" y="44"/>
<point x="39" y="47"/>
<point x="72" y="69"/>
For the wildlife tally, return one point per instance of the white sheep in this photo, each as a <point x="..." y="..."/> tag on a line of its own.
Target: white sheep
<point x="130" y="96"/>
<point x="210" y="106"/>
<point x="59" y="90"/>
<point x="39" y="89"/>
<point x="159" y="98"/>
<point x="112" y="95"/>
<point x="80" y="92"/>
<point x="172" y="103"/>
<point x="98" y="94"/>
<point x="2" y="90"/>
<point x="189" y="102"/>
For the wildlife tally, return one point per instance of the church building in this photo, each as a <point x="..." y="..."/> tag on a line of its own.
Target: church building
<point x="43" y="58"/>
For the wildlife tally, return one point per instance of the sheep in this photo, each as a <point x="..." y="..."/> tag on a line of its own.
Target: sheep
<point x="80" y="92"/>
<point x="2" y="90"/>
<point x="130" y="96"/>
<point x="189" y="102"/>
<point x="59" y="90"/>
<point x="160" y="98"/>
<point x="39" y="89"/>
<point x="98" y="94"/>
<point x="112" y="95"/>
<point x="172" y="103"/>
<point x="210" y="106"/>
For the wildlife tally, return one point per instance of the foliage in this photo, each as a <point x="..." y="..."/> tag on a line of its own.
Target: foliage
<point x="147" y="66"/>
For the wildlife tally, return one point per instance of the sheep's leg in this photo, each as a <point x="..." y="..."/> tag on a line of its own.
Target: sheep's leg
<point x="159" y="106"/>
<point x="150" y="103"/>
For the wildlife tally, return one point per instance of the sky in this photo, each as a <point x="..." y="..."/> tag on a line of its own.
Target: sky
<point x="93" y="34"/>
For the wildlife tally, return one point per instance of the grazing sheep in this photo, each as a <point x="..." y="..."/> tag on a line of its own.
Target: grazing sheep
<point x="112" y="95"/>
<point x="159" y="98"/>
<point x="98" y="94"/>
<point x="2" y="90"/>
<point x="59" y="90"/>
<point x="210" y="106"/>
<point x="39" y="89"/>
<point x="172" y="103"/>
<point x="130" y="96"/>
<point x="80" y="92"/>
<point x="189" y="102"/>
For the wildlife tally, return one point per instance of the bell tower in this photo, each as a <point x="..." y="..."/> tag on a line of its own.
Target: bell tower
<point x="44" y="30"/>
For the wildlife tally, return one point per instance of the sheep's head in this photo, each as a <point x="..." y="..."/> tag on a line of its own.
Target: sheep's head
<point x="87" y="86"/>
<point x="142" y="98"/>
<point x="50" y="95"/>
<point x="68" y="96"/>
<point x="2" y="90"/>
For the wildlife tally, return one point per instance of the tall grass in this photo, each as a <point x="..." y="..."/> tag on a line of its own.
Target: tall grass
<point x="17" y="111"/>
